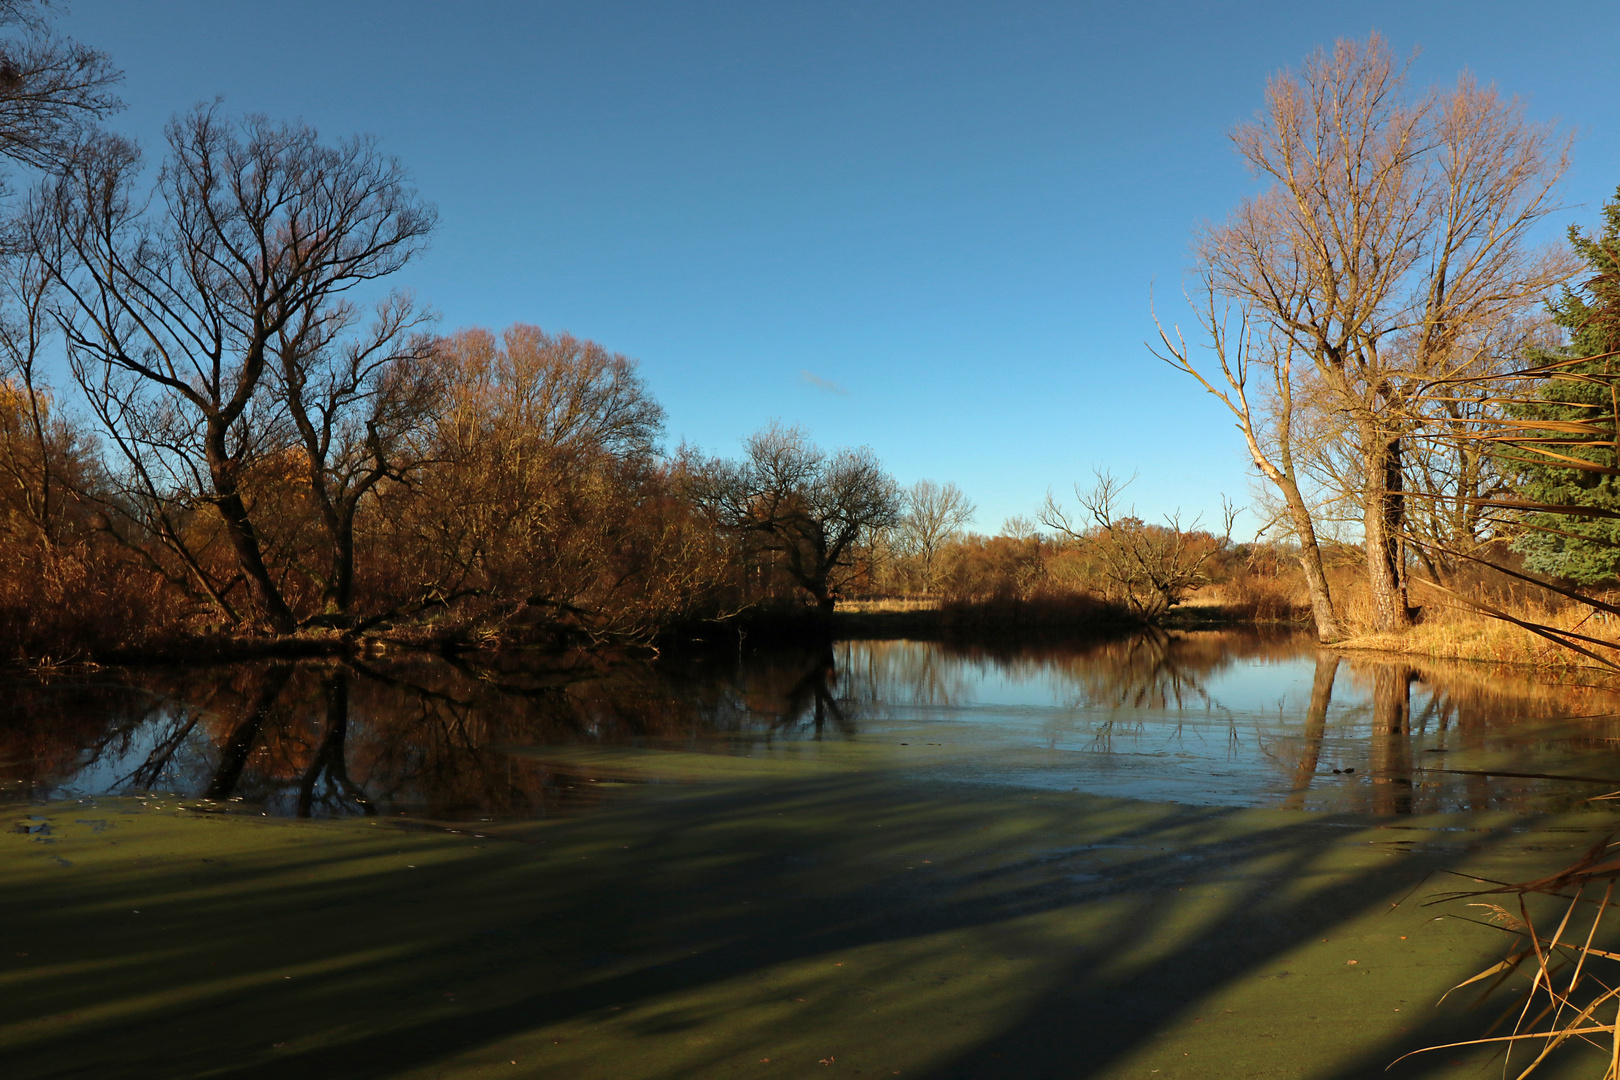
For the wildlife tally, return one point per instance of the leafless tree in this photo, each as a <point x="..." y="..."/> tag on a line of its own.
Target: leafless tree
<point x="175" y="304"/>
<point x="361" y="404"/>
<point x="1259" y="372"/>
<point x="811" y="508"/>
<point x="934" y="513"/>
<point x="1394" y="237"/>
<point x="1152" y="567"/>
<point x="52" y="88"/>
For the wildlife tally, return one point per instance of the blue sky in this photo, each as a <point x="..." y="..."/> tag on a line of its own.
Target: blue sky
<point x="930" y="228"/>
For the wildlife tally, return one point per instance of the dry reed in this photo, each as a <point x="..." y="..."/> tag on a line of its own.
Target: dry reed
<point x="1574" y="993"/>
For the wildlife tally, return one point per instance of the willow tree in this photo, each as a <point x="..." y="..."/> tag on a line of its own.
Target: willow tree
<point x="1390" y="245"/>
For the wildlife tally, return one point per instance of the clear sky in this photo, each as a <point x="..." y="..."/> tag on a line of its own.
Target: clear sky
<point x="932" y="228"/>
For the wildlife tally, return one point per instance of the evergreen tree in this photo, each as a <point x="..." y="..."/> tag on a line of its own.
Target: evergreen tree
<point x="1584" y="550"/>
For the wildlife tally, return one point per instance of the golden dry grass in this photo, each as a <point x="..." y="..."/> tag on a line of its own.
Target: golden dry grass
<point x="1451" y="631"/>
<point x="889" y="604"/>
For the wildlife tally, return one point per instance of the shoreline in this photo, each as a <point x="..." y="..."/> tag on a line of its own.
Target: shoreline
<point x="1470" y="642"/>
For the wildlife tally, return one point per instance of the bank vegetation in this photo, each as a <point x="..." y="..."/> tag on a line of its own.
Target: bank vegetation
<point x="222" y="431"/>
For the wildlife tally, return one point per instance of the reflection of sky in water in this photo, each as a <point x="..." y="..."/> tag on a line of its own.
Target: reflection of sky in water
<point x="113" y="768"/>
<point x="1101" y="718"/>
<point x="1239" y="736"/>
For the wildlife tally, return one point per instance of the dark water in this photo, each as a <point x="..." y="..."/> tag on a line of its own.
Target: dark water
<point x="1206" y="718"/>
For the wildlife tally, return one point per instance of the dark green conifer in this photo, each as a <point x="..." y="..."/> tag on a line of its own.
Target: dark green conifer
<point x="1584" y="550"/>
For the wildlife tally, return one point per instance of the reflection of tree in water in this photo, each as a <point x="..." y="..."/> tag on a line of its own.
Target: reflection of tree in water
<point x="904" y="673"/>
<point x="1327" y="669"/>
<point x="1149" y="670"/>
<point x="426" y="735"/>
<point x="48" y="726"/>
<point x="1405" y="720"/>
<point x="326" y="777"/>
<point x="1154" y="670"/>
<point x="422" y="735"/>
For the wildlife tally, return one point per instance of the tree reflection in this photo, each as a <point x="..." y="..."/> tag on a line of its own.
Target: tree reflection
<point x="429" y="736"/>
<point x="233" y="757"/>
<point x="1327" y="670"/>
<point x="904" y="673"/>
<point x="420" y="736"/>
<point x="1391" y="748"/>
<point x="330" y="759"/>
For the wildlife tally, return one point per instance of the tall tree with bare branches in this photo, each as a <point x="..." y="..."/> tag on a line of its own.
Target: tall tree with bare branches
<point x="52" y="89"/>
<point x="182" y="309"/>
<point x="1264" y="390"/>
<point x="1391" y="243"/>
<point x="934" y="513"/>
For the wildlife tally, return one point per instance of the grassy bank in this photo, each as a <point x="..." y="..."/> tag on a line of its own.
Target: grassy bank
<point x="809" y="915"/>
<point x="1452" y="631"/>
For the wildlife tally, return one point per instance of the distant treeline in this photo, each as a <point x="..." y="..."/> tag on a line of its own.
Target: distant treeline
<point x="477" y="489"/>
<point x="219" y="430"/>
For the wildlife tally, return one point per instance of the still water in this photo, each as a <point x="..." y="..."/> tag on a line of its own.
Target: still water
<point x="1228" y="719"/>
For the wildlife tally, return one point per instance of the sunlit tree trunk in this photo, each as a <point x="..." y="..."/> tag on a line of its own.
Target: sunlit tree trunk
<point x="1381" y="528"/>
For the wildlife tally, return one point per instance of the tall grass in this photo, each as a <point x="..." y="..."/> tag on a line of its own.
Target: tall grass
<point x="74" y="604"/>
<point x="1452" y="631"/>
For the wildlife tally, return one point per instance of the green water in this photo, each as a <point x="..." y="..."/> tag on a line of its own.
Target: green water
<point x="788" y="868"/>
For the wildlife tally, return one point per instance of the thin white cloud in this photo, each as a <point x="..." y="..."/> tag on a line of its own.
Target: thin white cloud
<point x="823" y="384"/>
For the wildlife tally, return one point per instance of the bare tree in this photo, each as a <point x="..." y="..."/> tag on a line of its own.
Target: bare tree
<point x="793" y="499"/>
<point x="1270" y="420"/>
<point x="1394" y="238"/>
<point x="174" y="308"/>
<point x="361" y="404"/>
<point x="1152" y="567"/>
<point x="934" y="514"/>
<point x="52" y="89"/>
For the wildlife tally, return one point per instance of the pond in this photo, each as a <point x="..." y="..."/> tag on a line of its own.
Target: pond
<point x="1205" y="718"/>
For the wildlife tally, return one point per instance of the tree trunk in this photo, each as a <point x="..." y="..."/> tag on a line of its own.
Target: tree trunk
<point x="233" y="513"/>
<point x="250" y="557"/>
<point x="1328" y="629"/>
<point x="342" y="587"/>
<point x="1383" y="508"/>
